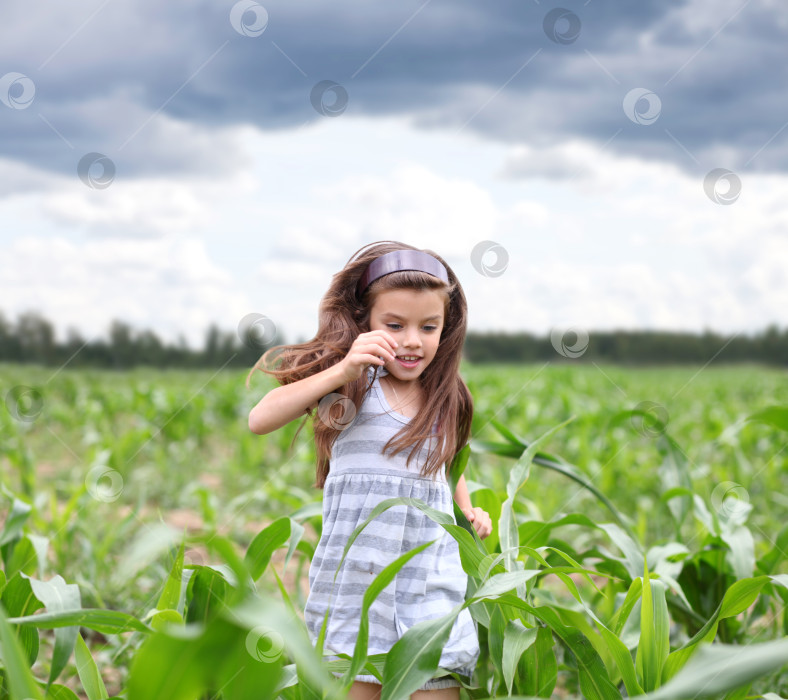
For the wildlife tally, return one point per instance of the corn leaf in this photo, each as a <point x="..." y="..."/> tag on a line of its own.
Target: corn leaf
<point x="541" y="672"/>
<point x="776" y="416"/>
<point x="495" y="637"/>
<point x="517" y="638"/>
<point x="106" y="621"/>
<point x="88" y="671"/>
<point x="259" y="552"/>
<point x="208" y="590"/>
<point x="507" y="524"/>
<point x="406" y="671"/>
<point x="19" y="600"/>
<point x="171" y="593"/>
<point x="654" y="629"/>
<point x="737" y="598"/>
<point x="17" y="670"/>
<point x="58" y="596"/>
<point x="60" y="692"/>
<point x="595" y="682"/>
<point x="718" y="668"/>
<point x="15" y="520"/>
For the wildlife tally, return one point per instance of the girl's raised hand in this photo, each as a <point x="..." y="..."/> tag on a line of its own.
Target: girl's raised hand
<point x="480" y="519"/>
<point x="373" y="347"/>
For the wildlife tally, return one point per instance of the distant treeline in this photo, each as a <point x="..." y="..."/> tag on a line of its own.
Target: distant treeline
<point x="32" y="340"/>
<point x="630" y="347"/>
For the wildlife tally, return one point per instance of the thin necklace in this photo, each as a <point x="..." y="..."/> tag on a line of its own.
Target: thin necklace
<point x="395" y="392"/>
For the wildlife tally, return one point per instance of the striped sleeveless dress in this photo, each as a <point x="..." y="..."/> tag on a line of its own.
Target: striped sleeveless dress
<point x="431" y="584"/>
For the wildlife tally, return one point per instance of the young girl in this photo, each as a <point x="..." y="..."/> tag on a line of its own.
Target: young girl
<point x="382" y="374"/>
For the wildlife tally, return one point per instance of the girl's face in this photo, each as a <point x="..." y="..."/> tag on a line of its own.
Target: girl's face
<point x="415" y="320"/>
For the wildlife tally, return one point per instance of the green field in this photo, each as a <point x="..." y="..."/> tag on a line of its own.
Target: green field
<point x="104" y="474"/>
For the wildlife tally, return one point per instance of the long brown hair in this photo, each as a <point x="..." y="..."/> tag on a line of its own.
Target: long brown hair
<point x="342" y="317"/>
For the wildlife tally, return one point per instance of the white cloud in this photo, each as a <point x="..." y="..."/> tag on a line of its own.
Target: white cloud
<point x="18" y="179"/>
<point x="170" y="286"/>
<point x="630" y="244"/>
<point x="136" y="209"/>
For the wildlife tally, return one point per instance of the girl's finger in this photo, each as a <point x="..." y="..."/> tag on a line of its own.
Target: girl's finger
<point x="389" y="339"/>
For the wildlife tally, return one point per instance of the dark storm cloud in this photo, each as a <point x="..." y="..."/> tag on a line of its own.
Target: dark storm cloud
<point x="110" y="77"/>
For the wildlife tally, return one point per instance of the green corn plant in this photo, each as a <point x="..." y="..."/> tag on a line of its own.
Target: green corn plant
<point x="572" y="605"/>
<point x="655" y="665"/>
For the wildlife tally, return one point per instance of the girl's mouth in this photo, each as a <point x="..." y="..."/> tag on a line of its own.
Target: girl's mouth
<point x="409" y="364"/>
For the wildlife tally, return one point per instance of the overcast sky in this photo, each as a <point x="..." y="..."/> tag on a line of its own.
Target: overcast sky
<point x="619" y="164"/>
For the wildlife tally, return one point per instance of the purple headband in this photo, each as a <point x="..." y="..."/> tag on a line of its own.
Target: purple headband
<point x="398" y="260"/>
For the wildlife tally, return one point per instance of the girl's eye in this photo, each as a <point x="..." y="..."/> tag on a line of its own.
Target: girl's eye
<point x="429" y="328"/>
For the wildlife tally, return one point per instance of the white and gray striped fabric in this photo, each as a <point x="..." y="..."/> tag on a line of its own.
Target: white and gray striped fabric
<point x="430" y="585"/>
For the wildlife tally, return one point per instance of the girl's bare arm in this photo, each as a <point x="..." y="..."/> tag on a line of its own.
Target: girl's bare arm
<point x="290" y="401"/>
<point x="461" y="495"/>
<point x="478" y="517"/>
